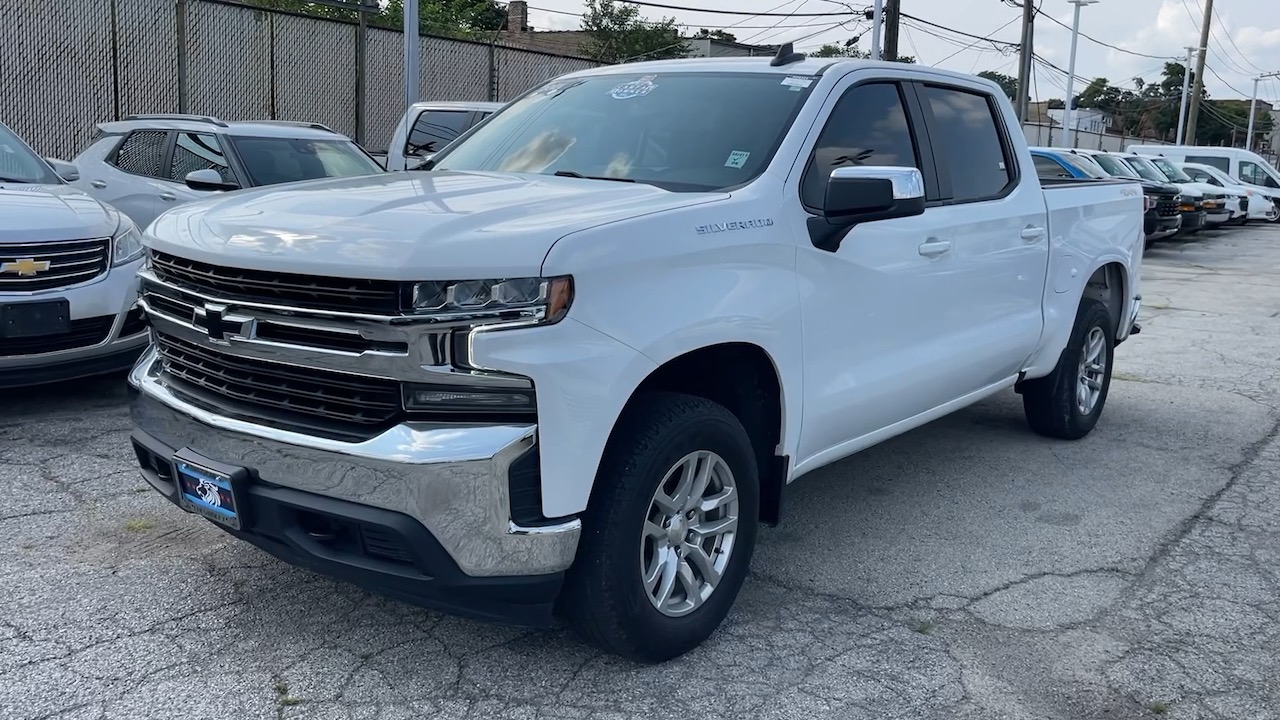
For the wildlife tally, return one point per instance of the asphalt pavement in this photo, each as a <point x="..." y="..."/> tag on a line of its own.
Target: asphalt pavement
<point x="967" y="570"/>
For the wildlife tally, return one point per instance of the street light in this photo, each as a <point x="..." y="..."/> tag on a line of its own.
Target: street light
<point x="1253" y="107"/>
<point x="1186" y="87"/>
<point x="1067" y="119"/>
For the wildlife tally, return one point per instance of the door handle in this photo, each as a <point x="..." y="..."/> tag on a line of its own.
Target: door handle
<point x="97" y="183"/>
<point x="1032" y="234"/>
<point x="934" y="247"/>
<point x="168" y="197"/>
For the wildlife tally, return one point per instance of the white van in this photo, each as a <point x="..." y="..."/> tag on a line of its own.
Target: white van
<point x="1248" y="167"/>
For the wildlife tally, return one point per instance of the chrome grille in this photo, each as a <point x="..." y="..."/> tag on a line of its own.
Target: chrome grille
<point x="337" y="403"/>
<point x="378" y="297"/>
<point x="82" y="333"/>
<point x="69" y="262"/>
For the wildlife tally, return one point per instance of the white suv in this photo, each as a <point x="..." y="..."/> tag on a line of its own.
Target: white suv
<point x="146" y="164"/>
<point x="428" y="126"/>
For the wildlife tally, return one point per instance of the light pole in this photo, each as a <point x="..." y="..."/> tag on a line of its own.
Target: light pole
<point x="1186" y="86"/>
<point x="1253" y="107"/>
<point x="876" y="17"/>
<point x="411" y="45"/>
<point x="1068" y="121"/>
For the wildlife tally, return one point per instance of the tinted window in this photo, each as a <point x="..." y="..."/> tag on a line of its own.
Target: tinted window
<point x="434" y="129"/>
<point x="193" y="151"/>
<point x="142" y="153"/>
<point x="867" y="127"/>
<point x="1145" y="169"/>
<point x="1115" y="166"/>
<point x="640" y="127"/>
<point x="1254" y="174"/>
<point x="1171" y="171"/>
<point x="966" y="129"/>
<point x="1047" y="168"/>
<point x="18" y="164"/>
<point x="1201" y="176"/>
<point x="1221" y="163"/>
<point x="271" y="160"/>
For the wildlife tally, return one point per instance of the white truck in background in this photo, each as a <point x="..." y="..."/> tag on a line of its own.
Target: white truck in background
<point x="574" y="363"/>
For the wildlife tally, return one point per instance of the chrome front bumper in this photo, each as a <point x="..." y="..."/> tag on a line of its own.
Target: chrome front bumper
<point x="450" y="478"/>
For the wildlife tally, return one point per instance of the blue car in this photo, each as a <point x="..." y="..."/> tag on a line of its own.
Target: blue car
<point x="1162" y="218"/>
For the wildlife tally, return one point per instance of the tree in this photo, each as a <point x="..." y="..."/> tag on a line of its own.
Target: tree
<point x="716" y="35"/>
<point x="831" y="50"/>
<point x="616" y="33"/>
<point x="458" y="18"/>
<point x="1007" y="83"/>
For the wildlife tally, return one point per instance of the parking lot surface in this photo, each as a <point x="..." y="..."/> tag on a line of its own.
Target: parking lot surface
<point x="969" y="569"/>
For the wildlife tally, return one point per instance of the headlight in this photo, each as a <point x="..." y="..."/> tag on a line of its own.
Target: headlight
<point x="543" y="299"/>
<point x="126" y="246"/>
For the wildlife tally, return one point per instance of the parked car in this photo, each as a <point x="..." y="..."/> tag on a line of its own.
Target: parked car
<point x="1162" y="218"/>
<point x="1213" y="200"/>
<point x="1236" y="201"/>
<point x="580" y="360"/>
<point x="1247" y="167"/>
<point x="1191" y="201"/>
<point x="68" y="295"/>
<point x="429" y="126"/>
<point x="146" y="164"/>
<point x="1258" y="206"/>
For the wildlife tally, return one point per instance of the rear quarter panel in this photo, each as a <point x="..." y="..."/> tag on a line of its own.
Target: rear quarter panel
<point x="1090" y="225"/>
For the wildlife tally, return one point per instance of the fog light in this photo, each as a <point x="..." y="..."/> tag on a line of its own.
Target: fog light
<point x="454" y="399"/>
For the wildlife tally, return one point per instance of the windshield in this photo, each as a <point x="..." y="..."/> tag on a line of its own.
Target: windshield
<point x="1084" y="164"/>
<point x="18" y="164"/>
<point x="1114" y="166"/>
<point x="1222" y="177"/>
<point x="1173" y="172"/>
<point x="1146" y="169"/>
<point x="271" y="160"/>
<point x="685" y="132"/>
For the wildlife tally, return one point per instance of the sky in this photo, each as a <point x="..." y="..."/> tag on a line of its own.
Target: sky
<point x="1245" y="40"/>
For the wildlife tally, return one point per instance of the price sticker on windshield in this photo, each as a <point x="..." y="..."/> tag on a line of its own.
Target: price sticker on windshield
<point x="797" y="83"/>
<point x="634" y="89"/>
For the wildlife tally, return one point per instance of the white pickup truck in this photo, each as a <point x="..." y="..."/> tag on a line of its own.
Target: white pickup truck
<point x="574" y="366"/>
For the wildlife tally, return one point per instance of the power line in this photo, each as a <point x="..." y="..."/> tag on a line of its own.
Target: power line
<point x="641" y="3"/>
<point x="789" y="16"/>
<point x="960" y="32"/>
<point x="1117" y="48"/>
<point x="970" y="45"/>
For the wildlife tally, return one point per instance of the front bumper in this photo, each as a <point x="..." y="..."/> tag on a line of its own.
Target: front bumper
<point x="1193" y="220"/>
<point x="112" y="299"/>
<point x="1159" y="227"/>
<point x="1218" y="217"/>
<point x="450" y="478"/>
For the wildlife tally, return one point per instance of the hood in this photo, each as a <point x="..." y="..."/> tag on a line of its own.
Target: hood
<point x="1190" y="190"/>
<point x="42" y="213"/>
<point x="1208" y="189"/>
<point x="1157" y="188"/>
<point x="406" y="225"/>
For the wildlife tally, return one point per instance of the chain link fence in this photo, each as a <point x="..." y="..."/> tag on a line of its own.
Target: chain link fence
<point x="70" y="64"/>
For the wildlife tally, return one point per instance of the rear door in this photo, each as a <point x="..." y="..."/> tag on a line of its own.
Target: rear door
<point x="130" y="177"/>
<point x="994" y="214"/>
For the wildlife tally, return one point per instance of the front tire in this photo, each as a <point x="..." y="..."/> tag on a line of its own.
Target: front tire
<point x="1067" y="403"/>
<point x="669" y="532"/>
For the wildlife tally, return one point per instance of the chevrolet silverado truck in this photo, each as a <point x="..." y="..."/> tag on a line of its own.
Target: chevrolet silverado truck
<point x="569" y="367"/>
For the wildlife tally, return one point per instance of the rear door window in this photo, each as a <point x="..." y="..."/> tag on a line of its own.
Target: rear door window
<point x="966" y="128"/>
<point x="436" y="128"/>
<point x="196" y="151"/>
<point x="142" y="153"/>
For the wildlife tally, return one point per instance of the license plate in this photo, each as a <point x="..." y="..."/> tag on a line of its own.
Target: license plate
<point x="207" y="493"/>
<point x="34" y="319"/>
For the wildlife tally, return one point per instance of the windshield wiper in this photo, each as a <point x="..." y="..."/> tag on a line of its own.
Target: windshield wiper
<point x="572" y="174"/>
<point x="15" y="180"/>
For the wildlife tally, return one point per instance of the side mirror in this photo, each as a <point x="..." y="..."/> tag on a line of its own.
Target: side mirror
<point x="865" y="194"/>
<point x="64" y="169"/>
<point x="208" y="179"/>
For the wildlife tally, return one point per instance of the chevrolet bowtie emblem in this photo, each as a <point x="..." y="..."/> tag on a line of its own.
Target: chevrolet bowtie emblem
<point x="24" y="267"/>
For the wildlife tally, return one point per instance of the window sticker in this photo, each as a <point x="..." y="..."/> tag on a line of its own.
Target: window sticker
<point x="634" y="89"/>
<point x="797" y="83"/>
<point x="737" y="159"/>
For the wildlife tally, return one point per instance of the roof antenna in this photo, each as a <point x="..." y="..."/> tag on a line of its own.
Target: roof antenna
<point x="786" y="55"/>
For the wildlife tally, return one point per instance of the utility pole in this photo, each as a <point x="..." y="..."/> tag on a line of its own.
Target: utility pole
<point x="1026" y="64"/>
<point x="877" y="15"/>
<point x="1253" y="107"/>
<point x="1186" y="86"/>
<point x="1193" y="114"/>
<point x="891" y="23"/>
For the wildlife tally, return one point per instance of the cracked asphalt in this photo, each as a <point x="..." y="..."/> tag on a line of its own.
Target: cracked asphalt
<point x="967" y="570"/>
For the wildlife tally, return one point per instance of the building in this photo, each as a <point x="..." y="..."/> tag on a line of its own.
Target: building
<point x="517" y="32"/>
<point x="715" y="47"/>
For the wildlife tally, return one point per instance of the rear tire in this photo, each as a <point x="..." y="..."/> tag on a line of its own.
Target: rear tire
<point x="651" y="582"/>
<point x="1067" y="403"/>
